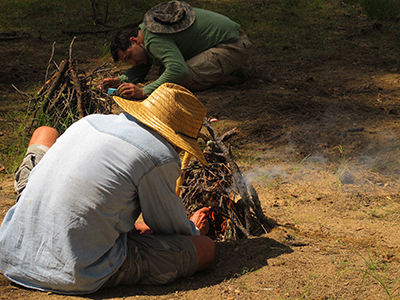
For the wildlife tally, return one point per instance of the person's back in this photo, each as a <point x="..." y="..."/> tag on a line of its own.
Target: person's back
<point x="208" y="30"/>
<point x="81" y="200"/>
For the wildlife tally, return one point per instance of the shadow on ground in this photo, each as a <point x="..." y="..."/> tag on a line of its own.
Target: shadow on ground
<point x="233" y="259"/>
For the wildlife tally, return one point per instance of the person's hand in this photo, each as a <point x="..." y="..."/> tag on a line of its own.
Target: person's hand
<point x="131" y="91"/>
<point x="107" y="83"/>
<point x="200" y="219"/>
<point x="141" y="228"/>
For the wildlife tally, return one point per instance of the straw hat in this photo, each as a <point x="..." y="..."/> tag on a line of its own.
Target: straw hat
<point x="169" y="17"/>
<point x="174" y="112"/>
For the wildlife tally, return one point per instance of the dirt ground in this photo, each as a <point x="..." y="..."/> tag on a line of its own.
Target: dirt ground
<point x="318" y="138"/>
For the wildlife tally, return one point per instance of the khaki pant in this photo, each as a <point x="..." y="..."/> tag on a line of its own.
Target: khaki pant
<point x="154" y="259"/>
<point x="219" y="61"/>
<point x="32" y="157"/>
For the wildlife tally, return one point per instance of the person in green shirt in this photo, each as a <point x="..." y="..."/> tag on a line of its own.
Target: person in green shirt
<point x="195" y="48"/>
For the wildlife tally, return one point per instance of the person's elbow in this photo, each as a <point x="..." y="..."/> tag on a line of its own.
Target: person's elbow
<point x="184" y="73"/>
<point x="180" y="73"/>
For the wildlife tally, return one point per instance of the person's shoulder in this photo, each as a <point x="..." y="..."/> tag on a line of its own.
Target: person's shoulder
<point x="200" y="12"/>
<point x="95" y="118"/>
<point x="206" y="17"/>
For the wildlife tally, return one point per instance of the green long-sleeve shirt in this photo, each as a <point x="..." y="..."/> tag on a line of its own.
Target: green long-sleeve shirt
<point x="172" y="50"/>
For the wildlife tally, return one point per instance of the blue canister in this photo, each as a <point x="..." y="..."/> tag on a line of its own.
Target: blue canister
<point x="112" y="91"/>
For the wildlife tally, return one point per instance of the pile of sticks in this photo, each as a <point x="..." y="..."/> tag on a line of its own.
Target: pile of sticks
<point x="69" y="94"/>
<point x="235" y="209"/>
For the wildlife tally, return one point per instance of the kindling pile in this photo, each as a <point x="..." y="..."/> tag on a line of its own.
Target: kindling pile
<point x="236" y="211"/>
<point x="69" y="95"/>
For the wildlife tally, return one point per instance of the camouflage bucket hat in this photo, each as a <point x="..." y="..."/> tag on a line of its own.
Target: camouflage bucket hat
<point x="169" y="17"/>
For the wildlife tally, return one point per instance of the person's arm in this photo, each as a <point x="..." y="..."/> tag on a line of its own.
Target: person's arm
<point x="164" y="50"/>
<point x="133" y="75"/>
<point x="141" y="228"/>
<point x="163" y="211"/>
<point x="200" y="219"/>
<point x="107" y="83"/>
<point x="131" y="91"/>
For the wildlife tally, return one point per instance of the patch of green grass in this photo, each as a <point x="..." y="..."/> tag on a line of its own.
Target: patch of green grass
<point x="245" y="270"/>
<point x="14" y="144"/>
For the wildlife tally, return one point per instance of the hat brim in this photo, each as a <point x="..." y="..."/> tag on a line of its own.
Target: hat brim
<point x="156" y="27"/>
<point x="146" y="115"/>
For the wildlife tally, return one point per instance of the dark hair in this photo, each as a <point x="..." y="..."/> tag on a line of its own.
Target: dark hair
<point x="121" y="41"/>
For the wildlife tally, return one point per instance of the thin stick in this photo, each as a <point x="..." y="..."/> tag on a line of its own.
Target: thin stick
<point x="60" y="93"/>
<point x="46" y="83"/>
<point x="70" y="48"/>
<point x="78" y="88"/>
<point x="51" y="58"/>
<point x="19" y="91"/>
<point x="56" y="82"/>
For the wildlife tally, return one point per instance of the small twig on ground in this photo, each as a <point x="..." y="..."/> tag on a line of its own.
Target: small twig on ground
<point x="19" y="91"/>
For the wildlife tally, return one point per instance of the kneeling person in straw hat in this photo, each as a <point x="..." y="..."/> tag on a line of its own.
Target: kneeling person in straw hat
<point x="197" y="48"/>
<point x="73" y="229"/>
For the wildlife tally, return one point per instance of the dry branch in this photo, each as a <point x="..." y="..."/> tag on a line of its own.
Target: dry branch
<point x="57" y="80"/>
<point x="78" y="88"/>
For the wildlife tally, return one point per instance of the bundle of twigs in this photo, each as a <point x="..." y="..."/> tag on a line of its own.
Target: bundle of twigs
<point x="235" y="209"/>
<point x="69" y="95"/>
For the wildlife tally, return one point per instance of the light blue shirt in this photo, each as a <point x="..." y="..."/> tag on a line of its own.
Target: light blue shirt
<point x="68" y="232"/>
